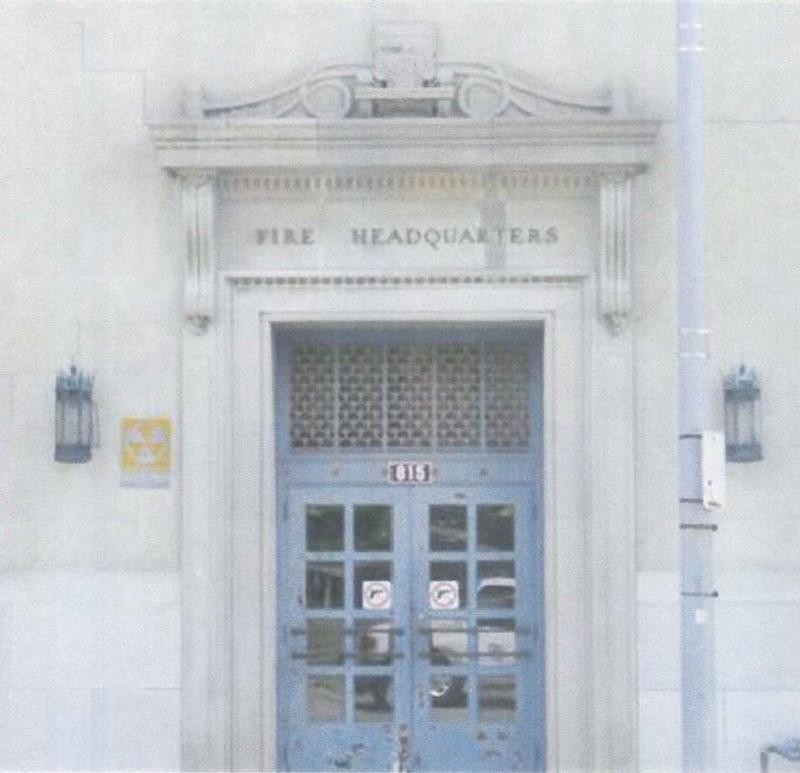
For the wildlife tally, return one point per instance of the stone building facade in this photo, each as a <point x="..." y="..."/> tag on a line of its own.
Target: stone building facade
<point x="403" y="292"/>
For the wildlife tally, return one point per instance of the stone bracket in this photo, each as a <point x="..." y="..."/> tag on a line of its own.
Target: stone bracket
<point x="198" y="190"/>
<point x="614" y="270"/>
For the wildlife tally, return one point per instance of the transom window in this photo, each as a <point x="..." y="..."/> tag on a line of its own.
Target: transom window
<point x="382" y="397"/>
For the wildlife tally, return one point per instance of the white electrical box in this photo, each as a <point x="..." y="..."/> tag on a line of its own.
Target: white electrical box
<point x="713" y="470"/>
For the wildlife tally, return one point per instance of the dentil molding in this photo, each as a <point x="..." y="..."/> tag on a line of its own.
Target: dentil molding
<point x="201" y="188"/>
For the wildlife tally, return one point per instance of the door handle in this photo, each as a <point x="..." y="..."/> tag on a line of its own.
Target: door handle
<point x="395" y="631"/>
<point x="523" y="630"/>
<point x="516" y="654"/>
<point x="303" y="655"/>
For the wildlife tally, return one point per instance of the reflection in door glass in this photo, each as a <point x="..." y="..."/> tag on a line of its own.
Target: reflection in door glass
<point x="448" y="642"/>
<point x="495" y="527"/>
<point x="449" y="698"/>
<point x="497" y="698"/>
<point x="372" y="526"/>
<point x="448" y="527"/>
<point x="325" y="642"/>
<point x="325" y="698"/>
<point x="374" y="699"/>
<point x="324" y="584"/>
<point x="497" y="639"/>
<point x="373" y="642"/>
<point x="324" y="527"/>
<point x="496" y="584"/>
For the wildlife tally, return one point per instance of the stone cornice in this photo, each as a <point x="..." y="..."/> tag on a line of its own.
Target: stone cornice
<point x="467" y="143"/>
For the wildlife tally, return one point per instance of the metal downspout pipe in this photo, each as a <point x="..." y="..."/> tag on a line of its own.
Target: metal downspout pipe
<point x="698" y="711"/>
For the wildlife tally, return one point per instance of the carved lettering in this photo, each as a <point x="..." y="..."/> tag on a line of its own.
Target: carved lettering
<point x="285" y="236"/>
<point x="434" y="238"/>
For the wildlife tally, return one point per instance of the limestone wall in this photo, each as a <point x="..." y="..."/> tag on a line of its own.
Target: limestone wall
<point x="89" y="571"/>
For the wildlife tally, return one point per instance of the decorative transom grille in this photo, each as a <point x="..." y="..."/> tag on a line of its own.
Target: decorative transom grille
<point x="410" y="396"/>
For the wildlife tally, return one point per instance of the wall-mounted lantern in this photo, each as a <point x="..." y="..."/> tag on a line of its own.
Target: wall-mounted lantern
<point x="77" y="428"/>
<point x="742" y="415"/>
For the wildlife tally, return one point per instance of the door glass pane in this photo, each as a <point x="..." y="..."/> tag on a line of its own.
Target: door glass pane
<point x="366" y="571"/>
<point x="448" y="642"/>
<point x="456" y="573"/>
<point x="497" y="698"/>
<point x="495" y="527"/>
<point x="373" y="642"/>
<point x="449" y="698"/>
<point x="372" y="527"/>
<point x="324" y="584"/>
<point x="496" y="584"/>
<point x="324" y="527"/>
<point x="448" y="527"/>
<point x="325" y="642"/>
<point x="325" y="698"/>
<point x="496" y="639"/>
<point x="374" y="699"/>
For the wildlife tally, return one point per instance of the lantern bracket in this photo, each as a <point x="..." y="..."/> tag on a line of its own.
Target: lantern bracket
<point x="713" y="469"/>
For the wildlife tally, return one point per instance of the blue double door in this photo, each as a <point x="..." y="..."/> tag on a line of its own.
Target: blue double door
<point x="411" y="628"/>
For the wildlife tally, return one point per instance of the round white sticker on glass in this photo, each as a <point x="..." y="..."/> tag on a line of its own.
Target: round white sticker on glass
<point x="376" y="594"/>
<point x="443" y="594"/>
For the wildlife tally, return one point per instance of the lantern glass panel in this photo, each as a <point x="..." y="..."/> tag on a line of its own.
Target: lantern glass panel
<point x="74" y="417"/>
<point x="72" y="423"/>
<point x="743" y="416"/>
<point x="85" y="420"/>
<point x="749" y="423"/>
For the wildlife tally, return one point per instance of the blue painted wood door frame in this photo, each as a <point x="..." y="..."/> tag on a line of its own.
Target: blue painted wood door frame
<point x="410" y="687"/>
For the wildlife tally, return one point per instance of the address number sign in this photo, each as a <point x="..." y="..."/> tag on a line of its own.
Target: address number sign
<point x="410" y="472"/>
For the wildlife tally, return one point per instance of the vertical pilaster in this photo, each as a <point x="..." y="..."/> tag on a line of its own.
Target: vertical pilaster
<point x="612" y="546"/>
<point x="613" y="462"/>
<point x="205" y="648"/>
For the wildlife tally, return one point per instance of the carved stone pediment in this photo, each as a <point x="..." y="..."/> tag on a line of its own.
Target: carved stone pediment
<point x="405" y="79"/>
<point x="468" y="117"/>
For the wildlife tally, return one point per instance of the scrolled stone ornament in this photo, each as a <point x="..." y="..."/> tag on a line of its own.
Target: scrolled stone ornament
<point x="328" y="98"/>
<point x="484" y="95"/>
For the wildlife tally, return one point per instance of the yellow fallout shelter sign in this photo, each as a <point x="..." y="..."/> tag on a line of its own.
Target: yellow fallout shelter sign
<point x="145" y="452"/>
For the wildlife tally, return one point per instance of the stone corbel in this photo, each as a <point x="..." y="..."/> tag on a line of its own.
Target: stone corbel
<point x="614" y="271"/>
<point x="198" y="187"/>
